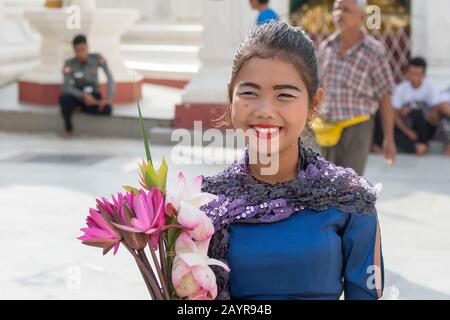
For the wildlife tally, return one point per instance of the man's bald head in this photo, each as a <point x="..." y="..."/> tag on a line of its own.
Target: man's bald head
<point x="362" y="5"/>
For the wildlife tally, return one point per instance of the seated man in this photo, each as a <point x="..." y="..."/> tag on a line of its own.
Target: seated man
<point x="81" y="85"/>
<point x="419" y="109"/>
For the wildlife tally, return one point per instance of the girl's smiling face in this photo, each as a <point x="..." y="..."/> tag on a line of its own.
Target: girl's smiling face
<point x="270" y="97"/>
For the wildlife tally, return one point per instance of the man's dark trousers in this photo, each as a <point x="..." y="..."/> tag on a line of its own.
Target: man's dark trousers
<point x="69" y="103"/>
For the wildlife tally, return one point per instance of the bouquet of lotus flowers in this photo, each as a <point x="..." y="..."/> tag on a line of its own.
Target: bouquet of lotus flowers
<point x="170" y="226"/>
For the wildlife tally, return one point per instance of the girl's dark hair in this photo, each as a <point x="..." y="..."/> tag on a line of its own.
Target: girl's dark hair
<point x="279" y="40"/>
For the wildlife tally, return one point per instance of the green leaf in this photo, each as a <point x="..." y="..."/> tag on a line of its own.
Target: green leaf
<point x="143" y="130"/>
<point x="172" y="236"/>
<point x="150" y="176"/>
<point x="162" y="176"/>
<point x="131" y="189"/>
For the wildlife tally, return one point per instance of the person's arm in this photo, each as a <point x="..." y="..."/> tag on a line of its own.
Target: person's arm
<point x="68" y="83"/>
<point x="363" y="271"/>
<point x="111" y="84"/>
<point x="387" y="115"/>
<point x="400" y="124"/>
<point x="384" y="86"/>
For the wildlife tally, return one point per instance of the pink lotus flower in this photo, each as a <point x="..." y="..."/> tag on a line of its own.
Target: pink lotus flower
<point x="100" y="233"/>
<point x="197" y="223"/>
<point x="148" y="208"/>
<point x="191" y="275"/>
<point x="105" y="205"/>
<point x="187" y="202"/>
<point x="121" y="198"/>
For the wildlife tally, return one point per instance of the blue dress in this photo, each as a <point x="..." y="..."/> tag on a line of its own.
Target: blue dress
<point x="311" y="255"/>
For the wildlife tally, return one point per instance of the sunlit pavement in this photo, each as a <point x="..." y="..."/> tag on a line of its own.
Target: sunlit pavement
<point x="47" y="185"/>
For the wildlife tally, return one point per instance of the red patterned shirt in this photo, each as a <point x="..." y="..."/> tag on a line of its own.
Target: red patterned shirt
<point x="355" y="84"/>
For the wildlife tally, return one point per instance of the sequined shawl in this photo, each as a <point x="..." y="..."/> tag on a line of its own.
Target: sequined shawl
<point x="320" y="185"/>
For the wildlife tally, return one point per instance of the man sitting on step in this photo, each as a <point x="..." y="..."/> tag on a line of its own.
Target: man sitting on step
<point x="81" y="85"/>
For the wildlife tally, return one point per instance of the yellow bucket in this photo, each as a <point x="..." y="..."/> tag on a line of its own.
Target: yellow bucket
<point x="328" y="134"/>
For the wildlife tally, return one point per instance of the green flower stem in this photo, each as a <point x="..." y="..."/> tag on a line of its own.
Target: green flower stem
<point x="162" y="279"/>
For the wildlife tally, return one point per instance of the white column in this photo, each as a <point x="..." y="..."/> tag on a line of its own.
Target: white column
<point x="281" y="7"/>
<point x="24" y="3"/>
<point x="103" y="28"/>
<point x="187" y="11"/>
<point x="429" y="39"/>
<point x="19" y="43"/>
<point x="161" y="11"/>
<point x="87" y="5"/>
<point x="225" y="22"/>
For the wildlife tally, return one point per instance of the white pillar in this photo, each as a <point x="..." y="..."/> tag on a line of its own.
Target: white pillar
<point x="58" y="27"/>
<point x="429" y="25"/>
<point x="23" y="3"/>
<point x="87" y="5"/>
<point x="19" y="43"/>
<point x="161" y="11"/>
<point x="187" y="11"/>
<point x="281" y="7"/>
<point x="225" y="22"/>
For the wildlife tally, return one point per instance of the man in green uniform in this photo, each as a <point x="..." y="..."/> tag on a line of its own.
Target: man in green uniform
<point x="81" y="85"/>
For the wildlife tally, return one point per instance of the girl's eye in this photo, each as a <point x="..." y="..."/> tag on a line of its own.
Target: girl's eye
<point x="286" y="95"/>
<point x="248" y="93"/>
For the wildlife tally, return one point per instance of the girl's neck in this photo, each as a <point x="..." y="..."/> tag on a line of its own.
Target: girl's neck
<point x="284" y="165"/>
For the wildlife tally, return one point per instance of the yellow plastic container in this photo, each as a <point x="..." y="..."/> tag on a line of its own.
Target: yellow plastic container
<point x="328" y="134"/>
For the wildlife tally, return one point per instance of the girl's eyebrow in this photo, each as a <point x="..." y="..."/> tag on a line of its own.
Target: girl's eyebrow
<point x="250" y="84"/>
<point x="276" y="87"/>
<point x="287" y="86"/>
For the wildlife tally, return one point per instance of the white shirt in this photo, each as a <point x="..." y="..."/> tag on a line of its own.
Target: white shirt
<point x="427" y="95"/>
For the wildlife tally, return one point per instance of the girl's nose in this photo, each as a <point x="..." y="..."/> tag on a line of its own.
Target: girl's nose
<point x="265" y="109"/>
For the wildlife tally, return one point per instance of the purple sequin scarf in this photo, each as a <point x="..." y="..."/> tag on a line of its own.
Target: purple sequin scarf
<point x="321" y="185"/>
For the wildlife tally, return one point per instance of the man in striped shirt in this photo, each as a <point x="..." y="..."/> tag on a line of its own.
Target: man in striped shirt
<point x="357" y="80"/>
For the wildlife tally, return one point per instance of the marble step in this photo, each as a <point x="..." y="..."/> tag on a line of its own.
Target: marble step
<point x="95" y="126"/>
<point x="180" y="34"/>
<point x="158" y="109"/>
<point x="162" y="54"/>
<point x="164" y="71"/>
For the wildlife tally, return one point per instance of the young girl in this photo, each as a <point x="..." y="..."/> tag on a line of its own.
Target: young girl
<point x="309" y="230"/>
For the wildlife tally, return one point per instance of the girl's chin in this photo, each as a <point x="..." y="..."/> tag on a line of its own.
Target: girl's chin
<point x="265" y="147"/>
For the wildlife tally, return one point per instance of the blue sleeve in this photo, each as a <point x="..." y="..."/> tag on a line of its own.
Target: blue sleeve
<point x="261" y="19"/>
<point x="363" y="260"/>
<point x="266" y="16"/>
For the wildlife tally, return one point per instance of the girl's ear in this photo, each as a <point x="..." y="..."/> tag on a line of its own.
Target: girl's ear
<point x="318" y="99"/>
<point x="316" y="104"/>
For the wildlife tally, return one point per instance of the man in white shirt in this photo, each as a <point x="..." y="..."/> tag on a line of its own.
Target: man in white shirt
<point x="420" y="106"/>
